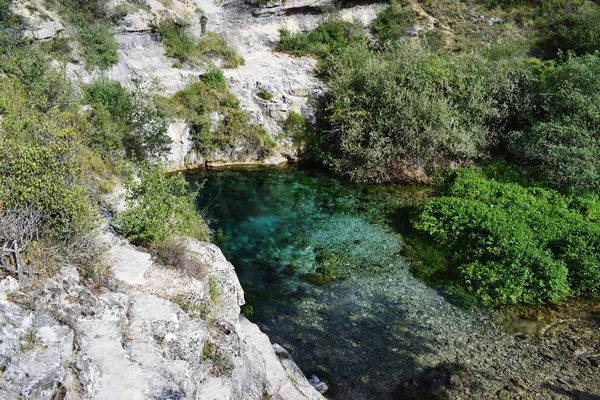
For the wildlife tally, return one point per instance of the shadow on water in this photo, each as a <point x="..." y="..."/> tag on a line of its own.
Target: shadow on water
<point x="280" y="226"/>
<point x="348" y="342"/>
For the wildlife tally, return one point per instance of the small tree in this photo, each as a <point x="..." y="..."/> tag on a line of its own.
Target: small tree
<point x="17" y="229"/>
<point x="160" y="206"/>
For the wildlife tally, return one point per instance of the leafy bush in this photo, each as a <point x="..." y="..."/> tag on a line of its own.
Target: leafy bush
<point x="183" y="46"/>
<point x="81" y="12"/>
<point x="213" y="45"/>
<point x="111" y="96"/>
<point x="574" y="28"/>
<point x="45" y="88"/>
<point x="331" y="36"/>
<point x="147" y="137"/>
<point x="562" y="146"/>
<point x="11" y="27"/>
<point x="179" y="43"/>
<point x="127" y="120"/>
<point x="99" y="46"/>
<point x="394" y="22"/>
<point x="196" y="103"/>
<point x="393" y="114"/>
<point x="265" y="94"/>
<point x="38" y="162"/>
<point x="512" y="244"/>
<point x="214" y="77"/>
<point x="298" y="128"/>
<point x="159" y="207"/>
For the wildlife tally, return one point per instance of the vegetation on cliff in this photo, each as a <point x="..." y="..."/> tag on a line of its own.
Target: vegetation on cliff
<point x="215" y="119"/>
<point x="62" y="147"/>
<point x="185" y="47"/>
<point x="460" y="84"/>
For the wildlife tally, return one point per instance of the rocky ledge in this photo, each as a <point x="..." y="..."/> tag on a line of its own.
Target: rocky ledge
<point x="153" y="333"/>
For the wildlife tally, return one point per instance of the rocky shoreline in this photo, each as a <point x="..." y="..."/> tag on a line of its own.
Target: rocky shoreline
<point x="397" y="338"/>
<point x="134" y="339"/>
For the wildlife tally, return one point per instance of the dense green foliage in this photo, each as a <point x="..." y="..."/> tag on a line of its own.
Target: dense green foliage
<point x="542" y="27"/>
<point x="214" y="78"/>
<point x="208" y="95"/>
<point x="513" y="244"/>
<point x="183" y="46"/>
<point x="562" y="146"/>
<point x="129" y="121"/>
<point x="99" y="46"/>
<point x="297" y="127"/>
<point x="10" y="26"/>
<point x="331" y="36"/>
<point x="159" y="207"/>
<point x="392" y="115"/>
<point x="398" y="21"/>
<point x="455" y="83"/>
<point x="40" y="132"/>
<point x="61" y="145"/>
<point x="179" y="43"/>
<point x="38" y="161"/>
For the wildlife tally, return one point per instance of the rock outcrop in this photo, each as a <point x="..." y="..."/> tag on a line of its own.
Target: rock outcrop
<point x="252" y="29"/>
<point x="136" y="341"/>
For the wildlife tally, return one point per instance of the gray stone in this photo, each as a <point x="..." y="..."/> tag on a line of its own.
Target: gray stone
<point x="456" y="382"/>
<point x="129" y="264"/>
<point x="138" y="345"/>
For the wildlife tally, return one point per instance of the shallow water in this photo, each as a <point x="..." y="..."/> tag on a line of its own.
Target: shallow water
<point x="274" y="223"/>
<point x="298" y="236"/>
<point x="321" y="263"/>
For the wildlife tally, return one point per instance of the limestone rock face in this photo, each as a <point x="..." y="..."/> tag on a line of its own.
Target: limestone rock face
<point x="251" y="28"/>
<point x="44" y="23"/>
<point x="157" y="334"/>
<point x="35" y="350"/>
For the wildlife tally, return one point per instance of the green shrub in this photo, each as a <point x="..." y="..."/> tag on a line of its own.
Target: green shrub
<point x="562" y="146"/>
<point x="214" y="77"/>
<point x="394" y="22"/>
<point x="93" y="30"/>
<point x="393" y="114"/>
<point x="58" y="48"/>
<point x="147" y="136"/>
<point x="43" y="173"/>
<point x="199" y="100"/>
<point x="512" y="244"/>
<point x="296" y="127"/>
<point x="11" y="27"/>
<point x="81" y="12"/>
<point x="159" y="207"/>
<point x="574" y="28"/>
<point x="109" y="95"/>
<point x="180" y="44"/>
<point x="100" y="48"/>
<point x="265" y="94"/>
<point x="331" y="36"/>
<point x="38" y="161"/>
<point x="45" y="87"/>
<point x="213" y="45"/>
<point x="127" y="120"/>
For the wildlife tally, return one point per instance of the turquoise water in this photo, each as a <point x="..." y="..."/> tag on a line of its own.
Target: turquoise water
<point x="297" y="238"/>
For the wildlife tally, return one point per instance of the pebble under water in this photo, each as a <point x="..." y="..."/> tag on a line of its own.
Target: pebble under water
<point x="321" y="264"/>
